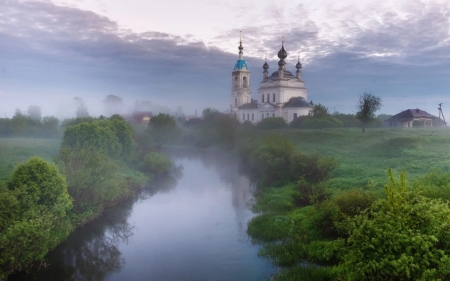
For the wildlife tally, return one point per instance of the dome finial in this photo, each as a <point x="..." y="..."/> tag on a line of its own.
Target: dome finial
<point x="240" y="46"/>
<point x="298" y="65"/>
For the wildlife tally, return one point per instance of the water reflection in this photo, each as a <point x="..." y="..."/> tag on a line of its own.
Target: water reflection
<point x="188" y="225"/>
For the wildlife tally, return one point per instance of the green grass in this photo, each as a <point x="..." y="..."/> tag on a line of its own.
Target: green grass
<point x="17" y="150"/>
<point x="365" y="157"/>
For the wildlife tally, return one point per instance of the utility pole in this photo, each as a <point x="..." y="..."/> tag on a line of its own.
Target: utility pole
<point x="441" y="113"/>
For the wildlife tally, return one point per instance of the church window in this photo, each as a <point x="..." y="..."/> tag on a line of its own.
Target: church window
<point x="244" y="84"/>
<point x="273" y="114"/>
<point x="262" y="97"/>
<point x="235" y="102"/>
<point x="252" y="117"/>
<point x="262" y="116"/>
<point x="273" y="98"/>
<point x="267" y="114"/>
<point x="248" y="116"/>
<point x="243" y="116"/>
<point x="295" y="116"/>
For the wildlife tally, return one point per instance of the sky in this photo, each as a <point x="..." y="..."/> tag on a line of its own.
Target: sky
<point x="181" y="53"/>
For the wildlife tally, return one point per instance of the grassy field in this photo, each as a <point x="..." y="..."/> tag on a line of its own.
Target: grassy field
<point x="16" y="150"/>
<point x="364" y="158"/>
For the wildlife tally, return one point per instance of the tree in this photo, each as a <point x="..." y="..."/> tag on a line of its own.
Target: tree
<point x="367" y="106"/>
<point x="39" y="201"/>
<point x="81" y="108"/>
<point x="319" y="111"/>
<point x="163" y="128"/>
<point x="34" y="112"/>
<point x="113" y="104"/>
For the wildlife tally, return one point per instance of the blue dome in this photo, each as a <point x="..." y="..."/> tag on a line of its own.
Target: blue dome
<point x="240" y="64"/>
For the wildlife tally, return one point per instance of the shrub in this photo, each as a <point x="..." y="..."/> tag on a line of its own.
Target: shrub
<point x="247" y="123"/>
<point x="405" y="237"/>
<point x="271" y="123"/>
<point x="311" y="193"/>
<point x="321" y="123"/>
<point x="157" y="163"/>
<point x="352" y="202"/>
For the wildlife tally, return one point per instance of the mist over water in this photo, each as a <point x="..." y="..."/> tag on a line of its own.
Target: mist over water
<point x="187" y="226"/>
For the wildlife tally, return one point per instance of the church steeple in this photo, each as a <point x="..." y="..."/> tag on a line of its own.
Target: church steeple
<point x="241" y="54"/>
<point x="240" y="64"/>
<point x="298" y="66"/>
<point x="265" y="67"/>
<point x="282" y="54"/>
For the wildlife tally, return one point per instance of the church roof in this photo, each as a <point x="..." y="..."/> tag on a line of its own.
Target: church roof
<point x="253" y="104"/>
<point x="287" y="74"/>
<point x="240" y="64"/>
<point x="297" y="102"/>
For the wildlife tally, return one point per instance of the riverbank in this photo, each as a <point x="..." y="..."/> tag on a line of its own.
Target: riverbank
<point x="308" y="228"/>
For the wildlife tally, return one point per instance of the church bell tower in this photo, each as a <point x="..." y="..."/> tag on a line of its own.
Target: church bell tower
<point x="240" y="81"/>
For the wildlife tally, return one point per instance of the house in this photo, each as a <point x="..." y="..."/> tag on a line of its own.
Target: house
<point x="141" y="117"/>
<point x="413" y="118"/>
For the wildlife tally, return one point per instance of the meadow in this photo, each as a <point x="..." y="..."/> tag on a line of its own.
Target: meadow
<point x="17" y="150"/>
<point x="364" y="158"/>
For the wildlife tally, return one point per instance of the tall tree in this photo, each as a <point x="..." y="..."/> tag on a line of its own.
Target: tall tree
<point x="367" y="106"/>
<point x="81" y="108"/>
<point x="34" y="112"/>
<point x="113" y="104"/>
<point x="319" y="111"/>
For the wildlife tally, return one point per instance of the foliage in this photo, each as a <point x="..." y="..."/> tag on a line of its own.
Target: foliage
<point x="277" y="162"/>
<point x="310" y="193"/>
<point x="157" y="163"/>
<point x="319" y="111"/>
<point x="247" y="123"/>
<point x="163" y="128"/>
<point x="271" y="123"/>
<point x="321" y="123"/>
<point x="81" y="108"/>
<point x="34" y="112"/>
<point x="22" y="125"/>
<point x="35" y="221"/>
<point x="95" y="135"/>
<point x="112" y="104"/>
<point x="92" y="180"/>
<point x="404" y="237"/>
<point x="383" y="116"/>
<point x="367" y="106"/>
<point x="297" y="122"/>
<point x="348" y="120"/>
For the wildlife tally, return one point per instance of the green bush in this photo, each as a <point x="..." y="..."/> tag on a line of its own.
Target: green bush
<point x="311" y="193"/>
<point x="352" y="202"/>
<point x="405" y="237"/>
<point x="36" y="221"/>
<point x="321" y="123"/>
<point x="271" y="123"/>
<point x="157" y="163"/>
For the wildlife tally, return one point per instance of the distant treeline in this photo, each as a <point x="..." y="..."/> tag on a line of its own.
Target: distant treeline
<point x="22" y="125"/>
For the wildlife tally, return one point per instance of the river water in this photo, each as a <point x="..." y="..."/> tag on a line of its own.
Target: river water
<point x="190" y="225"/>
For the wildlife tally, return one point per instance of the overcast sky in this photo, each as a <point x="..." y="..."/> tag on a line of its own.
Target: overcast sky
<point x="181" y="53"/>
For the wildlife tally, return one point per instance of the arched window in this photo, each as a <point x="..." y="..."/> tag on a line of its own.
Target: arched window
<point x="262" y="97"/>
<point x="295" y="116"/>
<point x="267" y="114"/>
<point x="235" y="102"/>
<point x="262" y="116"/>
<point x="248" y="116"/>
<point x="252" y="116"/>
<point x="273" y="114"/>
<point x="273" y="99"/>
<point x="244" y="83"/>
<point x="243" y="116"/>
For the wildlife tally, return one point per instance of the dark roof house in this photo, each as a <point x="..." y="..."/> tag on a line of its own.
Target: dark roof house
<point x="413" y="118"/>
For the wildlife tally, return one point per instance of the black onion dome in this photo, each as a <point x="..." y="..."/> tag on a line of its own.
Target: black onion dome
<point x="298" y="65"/>
<point x="281" y="62"/>
<point x="282" y="54"/>
<point x="265" y="66"/>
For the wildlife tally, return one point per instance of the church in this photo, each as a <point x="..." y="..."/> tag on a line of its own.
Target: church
<point x="279" y="95"/>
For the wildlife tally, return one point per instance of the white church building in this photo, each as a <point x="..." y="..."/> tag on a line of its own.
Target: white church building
<point x="279" y="95"/>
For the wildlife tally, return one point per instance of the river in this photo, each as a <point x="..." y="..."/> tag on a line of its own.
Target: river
<point x="190" y="225"/>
